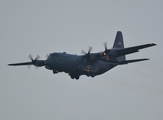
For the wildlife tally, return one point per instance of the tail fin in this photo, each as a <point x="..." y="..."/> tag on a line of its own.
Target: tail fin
<point x="119" y="44"/>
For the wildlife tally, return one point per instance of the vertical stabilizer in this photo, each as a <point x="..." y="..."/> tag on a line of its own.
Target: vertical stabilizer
<point x="119" y="44"/>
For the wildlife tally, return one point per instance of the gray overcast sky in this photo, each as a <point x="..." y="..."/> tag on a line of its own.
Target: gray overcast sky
<point x="129" y="92"/>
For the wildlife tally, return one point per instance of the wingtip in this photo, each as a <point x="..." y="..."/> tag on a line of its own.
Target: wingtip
<point x="10" y="65"/>
<point x="146" y="59"/>
<point x="152" y="44"/>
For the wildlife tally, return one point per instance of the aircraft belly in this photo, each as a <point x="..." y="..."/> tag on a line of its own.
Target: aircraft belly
<point x="96" y="68"/>
<point x="104" y="67"/>
<point x="68" y="66"/>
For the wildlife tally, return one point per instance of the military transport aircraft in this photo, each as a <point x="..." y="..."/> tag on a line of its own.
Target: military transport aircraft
<point x="89" y="64"/>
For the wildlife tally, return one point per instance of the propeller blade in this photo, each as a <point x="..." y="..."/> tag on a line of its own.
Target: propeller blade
<point x="105" y="45"/>
<point x="30" y="57"/>
<point x="37" y="57"/>
<point x="87" y="55"/>
<point x="83" y="52"/>
<point x="89" y="50"/>
<point x="105" y="53"/>
<point x="36" y="67"/>
<point x="29" y="66"/>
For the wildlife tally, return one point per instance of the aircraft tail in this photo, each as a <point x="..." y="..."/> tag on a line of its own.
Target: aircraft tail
<point x="119" y="44"/>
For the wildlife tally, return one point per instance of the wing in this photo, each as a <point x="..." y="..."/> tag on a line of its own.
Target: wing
<point x="18" y="64"/>
<point x="130" y="50"/>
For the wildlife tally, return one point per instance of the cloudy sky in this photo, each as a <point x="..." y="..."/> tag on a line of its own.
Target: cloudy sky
<point x="129" y="92"/>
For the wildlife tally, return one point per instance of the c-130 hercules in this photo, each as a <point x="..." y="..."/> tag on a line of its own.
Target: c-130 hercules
<point x="89" y="64"/>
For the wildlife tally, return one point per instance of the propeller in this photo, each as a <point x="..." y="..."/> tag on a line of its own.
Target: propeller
<point x="34" y="60"/>
<point x="105" y="53"/>
<point x="89" y="50"/>
<point x="87" y="55"/>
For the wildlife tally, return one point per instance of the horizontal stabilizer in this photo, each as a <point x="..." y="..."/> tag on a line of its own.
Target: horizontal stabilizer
<point x="131" y="61"/>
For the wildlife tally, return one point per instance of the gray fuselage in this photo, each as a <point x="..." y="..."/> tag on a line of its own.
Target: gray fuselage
<point x="76" y="65"/>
